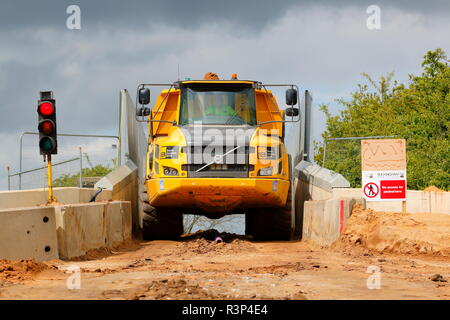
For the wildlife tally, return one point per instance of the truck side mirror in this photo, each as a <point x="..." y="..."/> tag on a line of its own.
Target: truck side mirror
<point x="291" y="97"/>
<point x="143" y="112"/>
<point x="292" y="112"/>
<point x="144" y="96"/>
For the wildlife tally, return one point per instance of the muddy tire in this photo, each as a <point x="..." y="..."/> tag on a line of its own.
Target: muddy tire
<point x="270" y="223"/>
<point x="160" y="223"/>
<point x="298" y="207"/>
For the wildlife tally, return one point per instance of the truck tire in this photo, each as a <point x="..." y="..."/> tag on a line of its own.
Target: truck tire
<point x="298" y="207"/>
<point x="270" y="223"/>
<point x="160" y="223"/>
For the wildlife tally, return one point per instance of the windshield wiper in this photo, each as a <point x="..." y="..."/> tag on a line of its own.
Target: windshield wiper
<point x="232" y="118"/>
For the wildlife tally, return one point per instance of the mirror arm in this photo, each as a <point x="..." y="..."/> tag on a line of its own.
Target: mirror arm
<point x="166" y="121"/>
<point x="274" y="121"/>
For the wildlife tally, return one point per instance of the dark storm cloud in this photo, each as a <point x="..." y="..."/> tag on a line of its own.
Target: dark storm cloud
<point x="86" y="68"/>
<point x="248" y="14"/>
<point x="135" y="13"/>
<point x="322" y="45"/>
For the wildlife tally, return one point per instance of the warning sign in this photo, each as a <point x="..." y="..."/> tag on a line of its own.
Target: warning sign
<point x="393" y="189"/>
<point x="383" y="164"/>
<point x="371" y="190"/>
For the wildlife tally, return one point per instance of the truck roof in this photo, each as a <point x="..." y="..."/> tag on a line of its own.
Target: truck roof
<point x="219" y="81"/>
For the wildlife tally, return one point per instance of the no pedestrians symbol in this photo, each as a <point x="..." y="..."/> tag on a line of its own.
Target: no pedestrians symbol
<point x="371" y="190"/>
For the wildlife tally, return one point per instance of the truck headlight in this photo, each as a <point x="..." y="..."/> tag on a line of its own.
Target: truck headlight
<point x="265" y="171"/>
<point x="168" y="171"/>
<point x="169" y="152"/>
<point x="268" y="153"/>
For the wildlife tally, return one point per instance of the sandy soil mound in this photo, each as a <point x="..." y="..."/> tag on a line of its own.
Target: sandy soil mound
<point x="16" y="271"/>
<point x="94" y="254"/>
<point x="433" y="188"/>
<point x="204" y="242"/>
<point x="398" y="232"/>
<point x="211" y="235"/>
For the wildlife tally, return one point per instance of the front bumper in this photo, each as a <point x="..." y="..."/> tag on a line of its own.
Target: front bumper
<point x="217" y="194"/>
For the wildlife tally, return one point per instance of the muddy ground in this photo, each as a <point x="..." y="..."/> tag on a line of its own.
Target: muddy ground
<point x="199" y="268"/>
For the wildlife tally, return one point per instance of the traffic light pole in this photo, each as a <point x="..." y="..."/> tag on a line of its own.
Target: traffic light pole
<point x="51" y="198"/>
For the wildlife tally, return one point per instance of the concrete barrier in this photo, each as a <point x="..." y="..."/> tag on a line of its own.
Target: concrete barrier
<point x="28" y="233"/>
<point x="316" y="184"/>
<point x="320" y="180"/>
<point x="80" y="228"/>
<point x="36" y="197"/>
<point x="122" y="183"/>
<point x="416" y="201"/>
<point x="70" y="229"/>
<point x="324" y="220"/>
<point x="326" y="201"/>
<point x="118" y="222"/>
<point x="86" y="194"/>
<point x="83" y="227"/>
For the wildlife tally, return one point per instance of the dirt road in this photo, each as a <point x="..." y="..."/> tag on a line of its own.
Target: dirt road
<point x="409" y="251"/>
<point x="240" y="269"/>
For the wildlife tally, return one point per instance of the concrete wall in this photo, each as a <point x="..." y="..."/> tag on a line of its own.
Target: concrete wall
<point x="323" y="213"/>
<point x="416" y="201"/>
<point x="28" y="233"/>
<point x="64" y="231"/>
<point x="37" y="197"/>
<point x="83" y="227"/>
<point x="118" y="222"/>
<point x="313" y="183"/>
<point x="325" y="201"/>
<point x="122" y="183"/>
<point x="324" y="220"/>
<point x="76" y="226"/>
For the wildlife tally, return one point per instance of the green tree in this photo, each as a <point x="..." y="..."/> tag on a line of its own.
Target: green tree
<point x="418" y="112"/>
<point x="72" y="180"/>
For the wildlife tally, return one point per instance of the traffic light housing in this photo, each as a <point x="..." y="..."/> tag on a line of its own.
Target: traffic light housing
<point x="48" y="143"/>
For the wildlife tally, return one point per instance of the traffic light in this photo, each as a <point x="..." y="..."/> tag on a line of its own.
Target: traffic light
<point x="48" y="144"/>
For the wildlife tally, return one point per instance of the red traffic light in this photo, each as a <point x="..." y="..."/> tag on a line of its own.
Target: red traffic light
<point x="46" y="109"/>
<point x="46" y="127"/>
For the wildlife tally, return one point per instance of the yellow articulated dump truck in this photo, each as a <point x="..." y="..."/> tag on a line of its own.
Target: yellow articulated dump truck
<point x="217" y="147"/>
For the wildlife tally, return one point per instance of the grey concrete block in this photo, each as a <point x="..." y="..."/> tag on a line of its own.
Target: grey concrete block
<point x="322" y="219"/>
<point x="28" y="233"/>
<point x="124" y="186"/>
<point x="80" y="228"/>
<point x="37" y="197"/>
<point x="118" y="178"/>
<point x="117" y="222"/>
<point x="319" y="176"/>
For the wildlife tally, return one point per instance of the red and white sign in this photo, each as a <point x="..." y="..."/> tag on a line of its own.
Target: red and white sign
<point x="371" y="190"/>
<point x="383" y="164"/>
<point x="393" y="189"/>
<point x="384" y="185"/>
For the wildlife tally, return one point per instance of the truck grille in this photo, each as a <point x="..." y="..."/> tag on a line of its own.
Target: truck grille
<point x="233" y="165"/>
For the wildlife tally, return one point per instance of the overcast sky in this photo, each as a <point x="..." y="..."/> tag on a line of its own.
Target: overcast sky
<point x="323" y="46"/>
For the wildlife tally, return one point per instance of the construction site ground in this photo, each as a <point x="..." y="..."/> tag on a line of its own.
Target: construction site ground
<point x="411" y="254"/>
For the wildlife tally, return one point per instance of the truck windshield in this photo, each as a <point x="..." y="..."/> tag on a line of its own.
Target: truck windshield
<point x="218" y="105"/>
